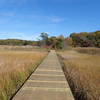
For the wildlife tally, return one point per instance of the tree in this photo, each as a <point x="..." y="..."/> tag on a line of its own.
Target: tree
<point x="85" y="39"/>
<point x="52" y="42"/>
<point x="56" y="42"/>
<point x="97" y="38"/>
<point x="69" y="41"/>
<point x="61" y="42"/>
<point x="44" y="37"/>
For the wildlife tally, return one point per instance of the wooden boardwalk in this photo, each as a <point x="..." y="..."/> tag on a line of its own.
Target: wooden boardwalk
<point x="48" y="82"/>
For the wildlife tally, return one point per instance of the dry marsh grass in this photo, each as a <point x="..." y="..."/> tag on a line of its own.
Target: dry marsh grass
<point x="83" y="74"/>
<point x="21" y="48"/>
<point x="15" y="67"/>
<point x="89" y="50"/>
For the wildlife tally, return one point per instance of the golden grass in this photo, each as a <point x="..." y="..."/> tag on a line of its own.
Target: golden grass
<point x="83" y="73"/>
<point x="21" y="48"/>
<point x="15" y="67"/>
<point x="89" y="50"/>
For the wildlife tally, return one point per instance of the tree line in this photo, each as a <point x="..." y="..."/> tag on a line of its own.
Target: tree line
<point x="17" y="42"/>
<point x="83" y="39"/>
<point x="52" y="42"/>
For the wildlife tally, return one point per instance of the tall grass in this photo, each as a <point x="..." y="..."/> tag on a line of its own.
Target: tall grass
<point x="88" y="50"/>
<point x="21" y="48"/>
<point x="83" y="74"/>
<point x="15" y="67"/>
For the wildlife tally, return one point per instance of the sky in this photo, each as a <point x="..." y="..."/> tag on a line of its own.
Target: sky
<point x="26" y="19"/>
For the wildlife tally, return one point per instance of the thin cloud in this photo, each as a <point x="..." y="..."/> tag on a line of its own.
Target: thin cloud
<point x="18" y="35"/>
<point x="56" y="19"/>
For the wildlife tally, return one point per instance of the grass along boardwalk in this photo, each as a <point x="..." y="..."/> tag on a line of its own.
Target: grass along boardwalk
<point x="48" y="82"/>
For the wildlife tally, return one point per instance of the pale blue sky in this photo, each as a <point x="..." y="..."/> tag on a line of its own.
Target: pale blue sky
<point x="26" y="19"/>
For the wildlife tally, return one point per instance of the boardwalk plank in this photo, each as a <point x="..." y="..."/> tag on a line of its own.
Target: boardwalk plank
<point x="48" y="82"/>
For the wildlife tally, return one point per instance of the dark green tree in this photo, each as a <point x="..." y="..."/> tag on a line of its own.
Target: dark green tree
<point x="44" y="37"/>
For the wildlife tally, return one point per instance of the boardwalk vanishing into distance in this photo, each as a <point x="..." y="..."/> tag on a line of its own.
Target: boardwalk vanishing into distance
<point x="48" y="82"/>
